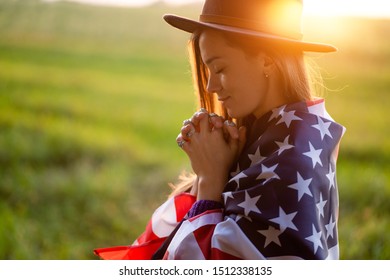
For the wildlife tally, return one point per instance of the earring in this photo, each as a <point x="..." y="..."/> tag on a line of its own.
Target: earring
<point x="266" y="75"/>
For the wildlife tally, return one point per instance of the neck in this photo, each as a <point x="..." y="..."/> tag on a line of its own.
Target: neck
<point x="274" y="96"/>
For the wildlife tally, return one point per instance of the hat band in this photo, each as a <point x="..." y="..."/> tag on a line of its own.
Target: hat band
<point x="246" y="24"/>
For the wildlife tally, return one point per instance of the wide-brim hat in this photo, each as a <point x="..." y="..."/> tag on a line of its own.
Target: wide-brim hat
<point x="276" y="20"/>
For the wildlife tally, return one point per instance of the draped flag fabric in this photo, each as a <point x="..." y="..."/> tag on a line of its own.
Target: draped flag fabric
<point x="281" y="201"/>
<point x="163" y="221"/>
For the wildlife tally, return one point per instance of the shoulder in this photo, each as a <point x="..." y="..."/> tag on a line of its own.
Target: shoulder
<point x="299" y="126"/>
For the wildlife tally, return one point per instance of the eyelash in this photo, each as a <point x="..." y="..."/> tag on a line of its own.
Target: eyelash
<point x="219" y="71"/>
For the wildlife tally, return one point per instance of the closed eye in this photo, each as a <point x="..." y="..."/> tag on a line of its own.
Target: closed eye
<point x="219" y="71"/>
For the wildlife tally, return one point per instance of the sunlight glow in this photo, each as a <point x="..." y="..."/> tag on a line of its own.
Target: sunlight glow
<point x="359" y="8"/>
<point x="323" y="8"/>
<point x="127" y="3"/>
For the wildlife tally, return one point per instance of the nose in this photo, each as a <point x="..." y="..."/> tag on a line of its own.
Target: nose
<point x="213" y="84"/>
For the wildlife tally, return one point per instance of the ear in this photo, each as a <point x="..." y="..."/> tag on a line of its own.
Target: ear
<point x="268" y="63"/>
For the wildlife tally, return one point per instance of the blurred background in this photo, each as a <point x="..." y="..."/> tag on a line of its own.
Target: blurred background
<point x="92" y="98"/>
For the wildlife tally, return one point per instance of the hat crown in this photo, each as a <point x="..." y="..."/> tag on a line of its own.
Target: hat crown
<point x="277" y="17"/>
<point x="276" y="20"/>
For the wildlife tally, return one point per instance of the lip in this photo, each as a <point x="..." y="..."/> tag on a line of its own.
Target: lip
<point x="223" y="99"/>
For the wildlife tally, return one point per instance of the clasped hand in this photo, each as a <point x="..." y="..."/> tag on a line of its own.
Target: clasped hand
<point x="212" y="145"/>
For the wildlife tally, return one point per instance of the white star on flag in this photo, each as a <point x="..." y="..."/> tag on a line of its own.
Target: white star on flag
<point x="320" y="205"/>
<point x="268" y="173"/>
<point x="276" y="112"/>
<point x="288" y="117"/>
<point x="227" y="195"/>
<point x="315" y="238"/>
<point x="271" y="235"/>
<point x="249" y="204"/>
<point x="330" y="227"/>
<point x="331" y="176"/>
<point x="285" y="220"/>
<point x="239" y="217"/>
<point x="284" y="145"/>
<point x="302" y="186"/>
<point x="314" y="155"/>
<point x="256" y="157"/>
<point x="323" y="128"/>
<point x="238" y="177"/>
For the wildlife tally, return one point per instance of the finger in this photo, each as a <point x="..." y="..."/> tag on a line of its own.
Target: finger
<point x="201" y="119"/>
<point x="187" y="122"/>
<point x="195" y="120"/>
<point x="181" y="142"/>
<point x="215" y="120"/>
<point x="204" y="123"/>
<point x="231" y="128"/>
<point x="187" y="131"/>
<point x="197" y="117"/>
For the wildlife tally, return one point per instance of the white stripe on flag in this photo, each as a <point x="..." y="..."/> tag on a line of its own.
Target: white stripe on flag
<point x="185" y="249"/>
<point x="184" y="244"/>
<point x="229" y="238"/>
<point x="164" y="219"/>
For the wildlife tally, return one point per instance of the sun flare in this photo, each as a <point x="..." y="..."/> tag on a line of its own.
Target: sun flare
<point x="332" y="20"/>
<point x="360" y="8"/>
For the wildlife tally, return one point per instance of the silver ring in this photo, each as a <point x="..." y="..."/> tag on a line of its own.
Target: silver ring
<point x="187" y="122"/>
<point x="189" y="134"/>
<point x="181" y="143"/>
<point x="230" y="123"/>
<point x="212" y="115"/>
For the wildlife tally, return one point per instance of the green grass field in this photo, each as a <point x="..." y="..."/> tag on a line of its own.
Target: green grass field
<point x="92" y="99"/>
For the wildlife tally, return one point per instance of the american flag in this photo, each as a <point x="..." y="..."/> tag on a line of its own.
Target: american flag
<point x="281" y="201"/>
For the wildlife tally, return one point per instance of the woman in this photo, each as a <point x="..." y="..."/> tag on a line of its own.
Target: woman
<point x="263" y="149"/>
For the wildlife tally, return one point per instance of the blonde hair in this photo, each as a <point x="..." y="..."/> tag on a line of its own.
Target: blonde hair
<point x="290" y="63"/>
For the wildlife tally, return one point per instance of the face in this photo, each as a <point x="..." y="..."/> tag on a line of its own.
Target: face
<point x="237" y="78"/>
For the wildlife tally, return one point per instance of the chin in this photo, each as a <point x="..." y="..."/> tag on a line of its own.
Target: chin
<point x="236" y="114"/>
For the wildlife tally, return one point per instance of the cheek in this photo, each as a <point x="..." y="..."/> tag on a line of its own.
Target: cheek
<point x="250" y="86"/>
<point x="239" y="80"/>
<point x="225" y="80"/>
<point x="242" y="104"/>
<point x="248" y="97"/>
<point x="232" y="82"/>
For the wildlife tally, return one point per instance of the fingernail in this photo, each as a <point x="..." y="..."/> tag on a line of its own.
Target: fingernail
<point x="230" y="123"/>
<point x="202" y="110"/>
<point x="187" y="122"/>
<point x="181" y="143"/>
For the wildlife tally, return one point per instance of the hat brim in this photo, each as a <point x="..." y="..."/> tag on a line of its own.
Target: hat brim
<point x="192" y="26"/>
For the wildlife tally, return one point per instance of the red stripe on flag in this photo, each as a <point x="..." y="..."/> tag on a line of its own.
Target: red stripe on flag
<point x="148" y="234"/>
<point x="138" y="252"/>
<point x="217" y="254"/>
<point x="183" y="204"/>
<point x="203" y="237"/>
<point x="314" y="102"/>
